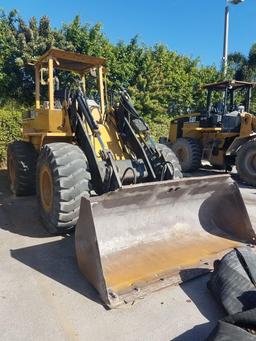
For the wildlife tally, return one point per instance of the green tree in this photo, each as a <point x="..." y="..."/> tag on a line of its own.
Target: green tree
<point x="243" y="67"/>
<point x="161" y="82"/>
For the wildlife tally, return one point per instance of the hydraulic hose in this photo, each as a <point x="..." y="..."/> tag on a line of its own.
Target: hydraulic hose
<point x="164" y="169"/>
<point x="134" y="175"/>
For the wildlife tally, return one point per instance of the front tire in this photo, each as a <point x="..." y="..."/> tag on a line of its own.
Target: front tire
<point x="246" y="162"/>
<point x="21" y="167"/>
<point x="170" y="157"/>
<point x="189" y="153"/>
<point x="62" y="179"/>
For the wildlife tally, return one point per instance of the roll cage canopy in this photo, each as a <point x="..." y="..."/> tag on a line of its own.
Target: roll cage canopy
<point x="67" y="61"/>
<point x="232" y="84"/>
<point x="70" y="61"/>
<point x="229" y="88"/>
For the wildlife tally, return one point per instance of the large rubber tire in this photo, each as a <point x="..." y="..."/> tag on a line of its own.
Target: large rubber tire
<point x="189" y="153"/>
<point x="169" y="156"/>
<point x="246" y="162"/>
<point x="62" y="178"/>
<point x="21" y="166"/>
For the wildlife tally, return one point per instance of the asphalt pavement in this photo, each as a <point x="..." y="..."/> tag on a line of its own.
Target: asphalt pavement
<point x="43" y="296"/>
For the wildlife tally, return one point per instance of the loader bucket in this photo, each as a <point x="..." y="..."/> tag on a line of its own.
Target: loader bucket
<point x="144" y="237"/>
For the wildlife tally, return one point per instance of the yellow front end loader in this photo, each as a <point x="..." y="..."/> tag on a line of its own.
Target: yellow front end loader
<point x="139" y="225"/>
<point x="224" y="133"/>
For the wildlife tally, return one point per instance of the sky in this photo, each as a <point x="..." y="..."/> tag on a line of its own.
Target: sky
<point x="189" y="27"/>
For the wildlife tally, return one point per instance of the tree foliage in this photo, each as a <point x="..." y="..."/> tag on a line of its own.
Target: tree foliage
<point x="10" y="119"/>
<point x="243" y="67"/>
<point x="160" y="81"/>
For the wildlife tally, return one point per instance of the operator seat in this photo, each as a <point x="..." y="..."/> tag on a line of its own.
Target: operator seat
<point x="231" y="122"/>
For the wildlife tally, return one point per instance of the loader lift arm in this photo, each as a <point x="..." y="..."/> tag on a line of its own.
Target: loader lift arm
<point x="135" y="133"/>
<point x="79" y="111"/>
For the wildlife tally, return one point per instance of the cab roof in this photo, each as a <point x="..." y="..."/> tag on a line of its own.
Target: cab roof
<point x="70" y="61"/>
<point x="233" y="83"/>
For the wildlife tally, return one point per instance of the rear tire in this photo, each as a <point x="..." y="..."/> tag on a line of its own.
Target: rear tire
<point x="171" y="158"/>
<point x="21" y="166"/>
<point x="246" y="162"/>
<point x="189" y="153"/>
<point x="62" y="179"/>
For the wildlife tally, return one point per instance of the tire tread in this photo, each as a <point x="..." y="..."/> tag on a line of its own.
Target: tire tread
<point x="194" y="149"/>
<point x="25" y="157"/>
<point x="71" y="178"/>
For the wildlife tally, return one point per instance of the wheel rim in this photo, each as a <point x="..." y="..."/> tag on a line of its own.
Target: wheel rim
<point x="11" y="172"/>
<point x="46" y="188"/>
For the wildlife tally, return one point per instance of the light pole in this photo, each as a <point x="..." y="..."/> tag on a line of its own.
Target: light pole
<point x="226" y="31"/>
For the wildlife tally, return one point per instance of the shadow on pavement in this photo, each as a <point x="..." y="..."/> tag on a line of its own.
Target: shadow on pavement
<point x="57" y="260"/>
<point x="197" y="333"/>
<point x="21" y="217"/>
<point x="199" y="294"/>
<point x="4" y="187"/>
<point x="19" y="214"/>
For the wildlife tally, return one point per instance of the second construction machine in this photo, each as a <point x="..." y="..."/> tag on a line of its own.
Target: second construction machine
<point x="139" y="226"/>
<point x="224" y="133"/>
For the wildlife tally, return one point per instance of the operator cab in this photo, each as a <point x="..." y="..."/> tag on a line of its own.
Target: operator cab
<point x="226" y="101"/>
<point x="73" y="68"/>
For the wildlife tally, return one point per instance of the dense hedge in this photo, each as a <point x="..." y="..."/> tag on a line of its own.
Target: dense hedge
<point x="11" y="119"/>
<point x="158" y="79"/>
<point x="161" y="82"/>
<point x="10" y="126"/>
